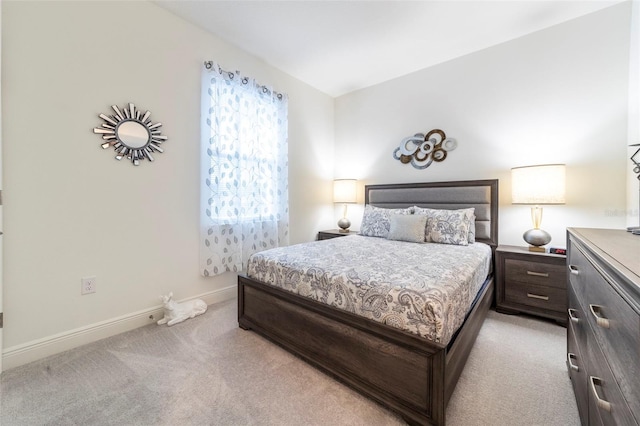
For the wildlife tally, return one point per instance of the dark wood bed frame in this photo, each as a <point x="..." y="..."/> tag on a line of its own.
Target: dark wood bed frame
<point x="405" y="373"/>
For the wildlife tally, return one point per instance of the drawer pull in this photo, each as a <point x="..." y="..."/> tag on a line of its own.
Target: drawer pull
<point x="572" y="317"/>
<point x="570" y="357"/>
<point x="537" y="296"/>
<point x="600" y="320"/>
<point x="605" y="405"/>
<point x="538" y="274"/>
<point x="574" y="269"/>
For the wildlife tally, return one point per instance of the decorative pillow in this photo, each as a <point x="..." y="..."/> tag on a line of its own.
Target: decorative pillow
<point x="472" y="230"/>
<point x="447" y="226"/>
<point x="407" y="228"/>
<point x="375" y="220"/>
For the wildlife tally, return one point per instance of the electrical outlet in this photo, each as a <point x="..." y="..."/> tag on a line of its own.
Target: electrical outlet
<point x="88" y="285"/>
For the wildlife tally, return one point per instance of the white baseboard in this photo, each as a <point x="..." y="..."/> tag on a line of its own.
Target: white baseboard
<point x="41" y="348"/>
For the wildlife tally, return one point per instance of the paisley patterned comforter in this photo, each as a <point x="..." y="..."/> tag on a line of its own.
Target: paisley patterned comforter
<point x="426" y="289"/>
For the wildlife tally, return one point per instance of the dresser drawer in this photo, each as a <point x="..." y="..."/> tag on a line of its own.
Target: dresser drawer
<point x="547" y="298"/>
<point x="577" y="318"/>
<point x="615" y="325"/>
<point x="607" y="405"/>
<point x="539" y="273"/>
<point x="580" y="272"/>
<point x="577" y="368"/>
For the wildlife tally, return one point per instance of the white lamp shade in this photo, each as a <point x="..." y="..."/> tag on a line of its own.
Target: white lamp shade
<point x="543" y="184"/>
<point x="344" y="191"/>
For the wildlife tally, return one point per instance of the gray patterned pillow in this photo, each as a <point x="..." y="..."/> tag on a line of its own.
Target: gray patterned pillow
<point x="472" y="230"/>
<point x="375" y="220"/>
<point x="447" y="226"/>
<point x="407" y="228"/>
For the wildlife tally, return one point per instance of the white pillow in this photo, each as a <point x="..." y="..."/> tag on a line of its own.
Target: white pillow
<point x="409" y="228"/>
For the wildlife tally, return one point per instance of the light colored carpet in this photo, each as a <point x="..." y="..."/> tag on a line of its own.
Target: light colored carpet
<point x="207" y="371"/>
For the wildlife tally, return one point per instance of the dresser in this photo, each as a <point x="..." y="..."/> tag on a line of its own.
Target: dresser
<point x="531" y="282"/>
<point x="603" y="333"/>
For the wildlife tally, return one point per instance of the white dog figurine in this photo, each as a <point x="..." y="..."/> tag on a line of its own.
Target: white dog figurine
<point x="175" y="312"/>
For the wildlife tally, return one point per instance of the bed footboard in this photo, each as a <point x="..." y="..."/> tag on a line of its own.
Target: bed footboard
<point x="405" y="373"/>
<point x="396" y="369"/>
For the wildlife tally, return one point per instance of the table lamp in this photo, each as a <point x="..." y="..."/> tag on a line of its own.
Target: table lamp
<point x="344" y="191"/>
<point x="537" y="185"/>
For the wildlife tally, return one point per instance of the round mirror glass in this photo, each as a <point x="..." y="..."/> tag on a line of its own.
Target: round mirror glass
<point x="133" y="134"/>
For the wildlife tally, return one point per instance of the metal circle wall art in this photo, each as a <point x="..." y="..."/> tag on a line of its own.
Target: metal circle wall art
<point x="132" y="134"/>
<point x="421" y="150"/>
<point x="636" y="161"/>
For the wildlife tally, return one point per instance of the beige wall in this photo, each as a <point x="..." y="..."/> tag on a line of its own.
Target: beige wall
<point x="633" y="208"/>
<point x="556" y="96"/>
<point x="72" y="210"/>
<point x="1" y="208"/>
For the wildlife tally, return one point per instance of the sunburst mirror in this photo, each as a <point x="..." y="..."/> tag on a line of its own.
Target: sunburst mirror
<point x="132" y="134"/>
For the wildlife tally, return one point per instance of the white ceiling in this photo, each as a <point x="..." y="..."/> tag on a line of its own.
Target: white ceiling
<point x="342" y="46"/>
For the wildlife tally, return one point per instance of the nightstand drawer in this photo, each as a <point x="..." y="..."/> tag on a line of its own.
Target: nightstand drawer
<point x="535" y="273"/>
<point x="334" y="233"/>
<point x="543" y="297"/>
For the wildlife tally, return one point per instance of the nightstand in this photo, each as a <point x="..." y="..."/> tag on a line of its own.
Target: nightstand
<point x="532" y="283"/>
<point x="333" y="233"/>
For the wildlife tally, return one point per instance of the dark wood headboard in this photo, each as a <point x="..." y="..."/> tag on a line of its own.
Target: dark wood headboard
<point x="480" y="194"/>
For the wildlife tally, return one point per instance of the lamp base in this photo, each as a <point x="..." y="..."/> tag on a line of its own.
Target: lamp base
<point x="536" y="238"/>
<point x="537" y="249"/>
<point x="344" y="225"/>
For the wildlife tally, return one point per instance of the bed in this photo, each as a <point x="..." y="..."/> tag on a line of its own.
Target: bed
<point x="408" y="371"/>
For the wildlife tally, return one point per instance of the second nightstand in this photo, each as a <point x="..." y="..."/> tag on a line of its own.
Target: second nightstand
<point x="333" y="233"/>
<point x="531" y="282"/>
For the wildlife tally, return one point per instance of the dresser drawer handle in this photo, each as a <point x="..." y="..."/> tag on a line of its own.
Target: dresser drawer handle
<point x="574" y="269"/>
<point x="605" y="405"/>
<point x="572" y="317"/>
<point x="572" y="366"/>
<point x="537" y="296"/>
<point x="538" y="274"/>
<point x="600" y="320"/>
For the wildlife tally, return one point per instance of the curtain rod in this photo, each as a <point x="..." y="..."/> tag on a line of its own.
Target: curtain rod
<point x="209" y="65"/>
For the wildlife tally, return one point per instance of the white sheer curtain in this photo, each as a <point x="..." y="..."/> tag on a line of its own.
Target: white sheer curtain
<point x="244" y="178"/>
